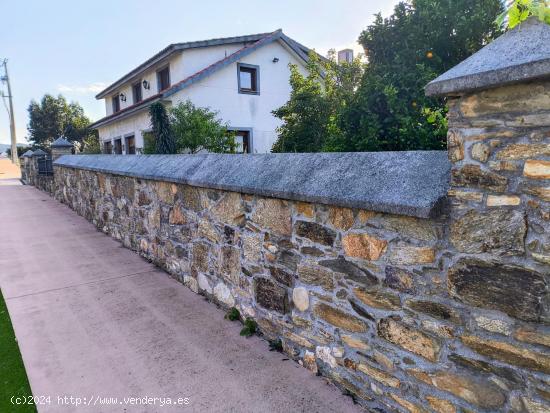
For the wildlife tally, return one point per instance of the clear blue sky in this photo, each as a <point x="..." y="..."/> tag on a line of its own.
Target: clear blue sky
<point x="77" y="47"/>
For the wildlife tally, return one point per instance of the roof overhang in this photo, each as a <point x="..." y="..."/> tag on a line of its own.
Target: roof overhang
<point x="155" y="60"/>
<point x="299" y="50"/>
<point x="161" y="56"/>
<point x="129" y="111"/>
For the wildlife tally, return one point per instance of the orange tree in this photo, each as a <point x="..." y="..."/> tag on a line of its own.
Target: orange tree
<point x="380" y="104"/>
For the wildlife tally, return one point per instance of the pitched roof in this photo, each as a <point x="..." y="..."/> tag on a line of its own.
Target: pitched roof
<point x="167" y="51"/>
<point x="519" y="55"/>
<point x="39" y="152"/>
<point x="299" y="49"/>
<point x="127" y="111"/>
<point x="61" y="142"/>
<point x="232" y="58"/>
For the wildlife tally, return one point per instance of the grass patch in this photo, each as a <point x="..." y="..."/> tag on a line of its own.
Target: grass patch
<point x="13" y="378"/>
<point x="232" y="314"/>
<point x="249" y="328"/>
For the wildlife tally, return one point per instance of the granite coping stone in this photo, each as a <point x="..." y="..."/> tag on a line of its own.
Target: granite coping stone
<point x="61" y="142"/>
<point x="39" y="152"/>
<point x="521" y="54"/>
<point x="412" y="183"/>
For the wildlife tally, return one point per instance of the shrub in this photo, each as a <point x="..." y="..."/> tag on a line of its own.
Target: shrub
<point x="91" y="144"/>
<point x="149" y="145"/>
<point x="249" y="328"/>
<point x="198" y="129"/>
<point x="233" y="314"/>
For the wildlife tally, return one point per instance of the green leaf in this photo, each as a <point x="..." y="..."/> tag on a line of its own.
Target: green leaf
<point x="232" y="314"/>
<point x="500" y="19"/>
<point x="249" y="328"/>
<point x="520" y="10"/>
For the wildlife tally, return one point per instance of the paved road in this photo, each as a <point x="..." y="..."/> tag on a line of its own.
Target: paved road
<point x="93" y="319"/>
<point x="8" y="170"/>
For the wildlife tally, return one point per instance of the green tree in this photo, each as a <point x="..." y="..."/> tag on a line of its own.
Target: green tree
<point x="149" y="146"/>
<point x="311" y="116"/>
<point x="53" y="117"/>
<point x="20" y="150"/>
<point x="418" y="42"/>
<point x="162" y="131"/>
<point x="196" y="129"/>
<point x="381" y="105"/>
<point x="91" y="144"/>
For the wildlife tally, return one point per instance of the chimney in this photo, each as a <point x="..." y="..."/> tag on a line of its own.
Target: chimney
<point x="345" y="56"/>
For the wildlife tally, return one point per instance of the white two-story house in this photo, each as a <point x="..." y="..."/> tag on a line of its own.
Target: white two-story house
<point x="243" y="78"/>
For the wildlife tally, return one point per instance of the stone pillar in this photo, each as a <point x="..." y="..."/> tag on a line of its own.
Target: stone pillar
<point x="26" y="159"/>
<point x="61" y="147"/>
<point x="33" y="169"/>
<point x="499" y="147"/>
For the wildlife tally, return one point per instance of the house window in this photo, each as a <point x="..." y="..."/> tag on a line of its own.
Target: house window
<point x="116" y="103"/>
<point x="130" y="145"/>
<point x="136" y="92"/>
<point x="118" y="146"/>
<point x="248" y="78"/>
<point x="242" y="139"/>
<point x="163" y="78"/>
<point x="108" y="147"/>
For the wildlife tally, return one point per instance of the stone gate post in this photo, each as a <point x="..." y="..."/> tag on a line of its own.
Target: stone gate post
<point x="25" y="164"/>
<point x="499" y="146"/>
<point x="33" y="169"/>
<point x="60" y="147"/>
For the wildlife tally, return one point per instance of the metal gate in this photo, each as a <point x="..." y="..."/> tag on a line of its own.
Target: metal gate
<point x="45" y="166"/>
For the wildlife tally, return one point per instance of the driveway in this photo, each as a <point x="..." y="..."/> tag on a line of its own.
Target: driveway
<point x="96" y="322"/>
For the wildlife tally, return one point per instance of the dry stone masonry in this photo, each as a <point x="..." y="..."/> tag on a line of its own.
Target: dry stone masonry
<point x="409" y="293"/>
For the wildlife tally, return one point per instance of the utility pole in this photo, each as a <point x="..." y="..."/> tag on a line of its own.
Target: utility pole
<point x="5" y="78"/>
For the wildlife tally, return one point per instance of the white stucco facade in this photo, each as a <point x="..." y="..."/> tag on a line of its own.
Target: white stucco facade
<point x="217" y="91"/>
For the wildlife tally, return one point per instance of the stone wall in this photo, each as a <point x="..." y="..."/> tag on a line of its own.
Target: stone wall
<point x="499" y="233"/>
<point x="24" y="166"/>
<point x="44" y="183"/>
<point x="362" y="297"/>
<point x="30" y="176"/>
<point x="30" y="168"/>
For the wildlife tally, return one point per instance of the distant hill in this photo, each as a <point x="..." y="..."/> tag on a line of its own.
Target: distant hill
<point x="5" y="146"/>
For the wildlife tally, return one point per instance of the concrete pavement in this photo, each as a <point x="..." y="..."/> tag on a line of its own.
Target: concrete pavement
<point x="9" y="182"/>
<point x="94" y="320"/>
